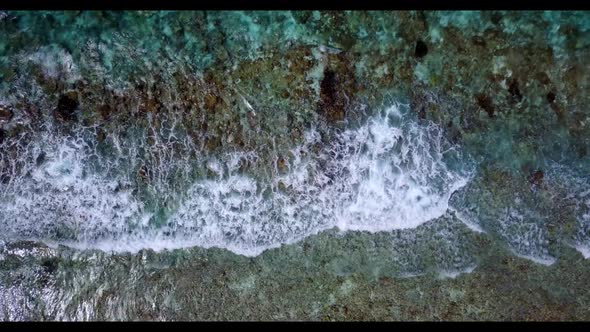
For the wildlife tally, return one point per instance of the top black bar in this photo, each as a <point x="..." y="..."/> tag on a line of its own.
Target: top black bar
<point x="296" y="4"/>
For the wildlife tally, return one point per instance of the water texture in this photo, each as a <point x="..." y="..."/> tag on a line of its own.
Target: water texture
<point x="364" y="165"/>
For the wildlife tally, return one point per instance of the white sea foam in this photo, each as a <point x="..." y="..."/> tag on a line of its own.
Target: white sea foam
<point x="452" y="274"/>
<point x="387" y="174"/>
<point x="390" y="173"/>
<point x="57" y="200"/>
<point x="525" y="235"/>
<point x="583" y="236"/>
<point x="584" y="250"/>
<point x="467" y="219"/>
<point x="577" y="186"/>
<point x="55" y="61"/>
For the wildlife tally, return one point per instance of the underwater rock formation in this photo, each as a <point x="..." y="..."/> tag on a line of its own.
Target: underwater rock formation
<point x="364" y="165"/>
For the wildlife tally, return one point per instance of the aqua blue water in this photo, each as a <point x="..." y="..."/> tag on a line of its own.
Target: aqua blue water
<point x="232" y="175"/>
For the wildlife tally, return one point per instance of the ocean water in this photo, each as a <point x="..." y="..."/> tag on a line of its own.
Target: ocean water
<point x="255" y="132"/>
<point x="391" y="172"/>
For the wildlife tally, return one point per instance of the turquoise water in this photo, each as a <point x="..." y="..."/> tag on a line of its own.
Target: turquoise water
<point x="251" y="134"/>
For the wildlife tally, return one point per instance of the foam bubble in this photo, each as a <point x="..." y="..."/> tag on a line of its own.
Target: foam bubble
<point x="57" y="200"/>
<point x="584" y="250"/>
<point x="577" y="195"/>
<point x="55" y="61"/>
<point x="521" y="229"/>
<point x="389" y="173"/>
<point x="453" y="274"/>
<point x="467" y="220"/>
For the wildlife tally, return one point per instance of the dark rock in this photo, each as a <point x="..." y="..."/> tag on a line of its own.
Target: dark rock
<point x="4" y="178"/>
<point x="40" y="158"/>
<point x="143" y="173"/>
<point x="2" y="135"/>
<point x="50" y="265"/>
<point x="514" y="90"/>
<point x="100" y="135"/>
<point x="551" y="97"/>
<point x="337" y="87"/>
<point x="543" y="78"/>
<point x="422" y="113"/>
<point x="421" y="49"/>
<point x="281" y="164"/>
<point x="331" y="105"/>
<point x="536" y="177"/>
<point x="66" y="107"/>
<point x="5" y="114"/>
<point x="486" y="103"/>
<point x="478" y="41"/>
<point x="105" y="111"/>
<point x="328" y="83"/>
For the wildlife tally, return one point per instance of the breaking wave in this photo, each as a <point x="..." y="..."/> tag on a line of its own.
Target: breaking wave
<point x="392" y="172"/>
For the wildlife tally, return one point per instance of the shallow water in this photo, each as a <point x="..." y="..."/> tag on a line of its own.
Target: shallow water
<point x="139" y="144"/>
<point x="389" y="173"/>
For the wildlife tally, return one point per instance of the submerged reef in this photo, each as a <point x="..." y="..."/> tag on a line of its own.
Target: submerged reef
<point x="302" y="165"/>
